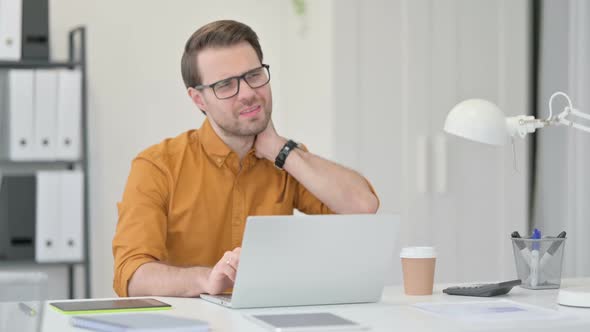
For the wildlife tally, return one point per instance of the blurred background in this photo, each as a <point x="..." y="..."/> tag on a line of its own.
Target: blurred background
<point x="367" y="84"/>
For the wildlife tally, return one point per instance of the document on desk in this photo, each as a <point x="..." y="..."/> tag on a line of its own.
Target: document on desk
<point x="486" y="311"/>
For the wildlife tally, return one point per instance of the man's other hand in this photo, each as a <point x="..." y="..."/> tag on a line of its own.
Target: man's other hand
<point x="223" y="274"/>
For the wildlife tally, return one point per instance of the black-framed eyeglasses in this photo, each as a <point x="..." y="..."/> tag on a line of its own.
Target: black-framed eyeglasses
<point x="229" y="87"/>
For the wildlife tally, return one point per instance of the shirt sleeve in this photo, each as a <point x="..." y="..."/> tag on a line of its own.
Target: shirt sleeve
<point x="140" y="236"/>
<point x="307" y="203"/>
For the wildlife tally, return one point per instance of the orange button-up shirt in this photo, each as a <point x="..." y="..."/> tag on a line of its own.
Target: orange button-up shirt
<point x="187" y="199"/>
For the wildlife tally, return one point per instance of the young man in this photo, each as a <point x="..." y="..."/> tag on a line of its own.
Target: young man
<point x="184" y="208"/>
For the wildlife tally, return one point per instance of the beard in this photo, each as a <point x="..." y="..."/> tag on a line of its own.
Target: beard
<point x="251" y="127"/>
<point x="230" y="124"/>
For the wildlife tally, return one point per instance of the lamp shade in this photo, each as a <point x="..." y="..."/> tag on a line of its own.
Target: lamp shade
<point x="478" y="120"/>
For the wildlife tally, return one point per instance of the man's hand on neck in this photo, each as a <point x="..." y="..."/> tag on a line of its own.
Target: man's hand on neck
<point x="268" y="143"/>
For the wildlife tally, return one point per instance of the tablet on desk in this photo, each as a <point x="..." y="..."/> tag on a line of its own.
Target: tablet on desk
<point x="104" y="306"/>
<point x="300" y="322"/>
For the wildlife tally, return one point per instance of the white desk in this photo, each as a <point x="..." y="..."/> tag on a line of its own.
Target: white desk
<point x="393" y="313"/>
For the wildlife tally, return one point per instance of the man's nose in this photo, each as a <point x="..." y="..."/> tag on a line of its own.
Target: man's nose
<point x="246" y="93"/>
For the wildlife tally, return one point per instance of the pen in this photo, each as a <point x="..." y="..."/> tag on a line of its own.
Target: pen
<point x="552" y="249"/>
<point x="535" y="258"/>
<point x="26" y="309"/>
<point x="524" y="251"/>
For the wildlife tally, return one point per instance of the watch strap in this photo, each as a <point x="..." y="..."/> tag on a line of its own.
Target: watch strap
<point x="285" y="150"/>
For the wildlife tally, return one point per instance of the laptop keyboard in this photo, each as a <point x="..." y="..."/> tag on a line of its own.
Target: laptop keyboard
<point x="224" y="297"/>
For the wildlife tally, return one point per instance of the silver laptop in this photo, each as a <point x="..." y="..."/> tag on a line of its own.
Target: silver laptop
<point x="312" y="260"/>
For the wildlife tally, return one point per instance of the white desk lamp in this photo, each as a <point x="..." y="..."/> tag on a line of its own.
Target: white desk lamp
<point x="482" y="121"/>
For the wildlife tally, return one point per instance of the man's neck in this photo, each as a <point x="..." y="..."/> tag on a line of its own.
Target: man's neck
<point x="239" y="144"/>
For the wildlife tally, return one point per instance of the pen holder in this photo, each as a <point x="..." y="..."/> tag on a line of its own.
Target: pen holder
<point x="539" y="261"/>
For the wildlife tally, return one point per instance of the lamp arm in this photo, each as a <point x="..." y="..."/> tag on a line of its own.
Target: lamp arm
<point x="561" y="119"/>
<point x="558" y="93"/>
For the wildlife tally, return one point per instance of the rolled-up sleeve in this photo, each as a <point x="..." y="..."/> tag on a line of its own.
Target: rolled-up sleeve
<point x="140" y="235"/>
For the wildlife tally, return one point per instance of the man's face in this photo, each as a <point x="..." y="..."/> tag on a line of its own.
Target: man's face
<point x="248" y="112"/>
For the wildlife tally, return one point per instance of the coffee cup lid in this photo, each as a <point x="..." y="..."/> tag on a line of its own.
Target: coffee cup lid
<point x="418" y="252"/>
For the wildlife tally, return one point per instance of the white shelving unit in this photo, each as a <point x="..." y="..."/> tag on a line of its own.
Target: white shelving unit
<point x="26" y="258"/>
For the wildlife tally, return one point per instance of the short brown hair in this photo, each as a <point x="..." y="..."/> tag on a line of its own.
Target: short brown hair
<point x="215" y="34"/>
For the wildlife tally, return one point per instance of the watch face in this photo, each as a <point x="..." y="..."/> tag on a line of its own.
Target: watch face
<point x="282" y="156"/>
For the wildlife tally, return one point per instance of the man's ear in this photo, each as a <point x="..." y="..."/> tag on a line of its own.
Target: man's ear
<point x="197" y="98"/>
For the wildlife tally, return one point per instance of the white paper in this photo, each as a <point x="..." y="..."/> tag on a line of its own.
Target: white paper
<point x="488" y="311"/>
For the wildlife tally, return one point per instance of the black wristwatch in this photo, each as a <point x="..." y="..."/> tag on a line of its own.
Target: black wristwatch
<point x="285" y="150"/>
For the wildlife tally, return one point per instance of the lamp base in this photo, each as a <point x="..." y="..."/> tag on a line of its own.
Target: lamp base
<point x="575" y="297"/>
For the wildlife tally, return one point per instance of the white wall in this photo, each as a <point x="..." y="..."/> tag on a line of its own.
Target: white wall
<point x="136" y="94"/>
<point x="409" y="62"/>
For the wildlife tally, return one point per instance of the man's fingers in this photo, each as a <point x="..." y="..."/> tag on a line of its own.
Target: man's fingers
<point x="231" y="258"/>
<point x="222" y="270"/>
<point x="235" y="257"/>
<point x="227" y="258"/>
<point x="228" y="271"/>
<point x="222" y="277"/>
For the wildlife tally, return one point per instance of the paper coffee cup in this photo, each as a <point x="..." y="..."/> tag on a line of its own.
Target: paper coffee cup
<point x="418" y="265"/>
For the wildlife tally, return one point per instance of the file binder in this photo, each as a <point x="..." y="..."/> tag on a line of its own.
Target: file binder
<point x="16" y="100"/>
<point x="45" y="112"/>
<point x="69" y="107"/>
<point x="35" y="30"/>
<point x="40" y="114"/>
<point x="10" y="30"/>
<point x="47" y="227"/>
<point x="71" y="208"/>
<point x="17" y="217"/>
<point x="59" y="216"/>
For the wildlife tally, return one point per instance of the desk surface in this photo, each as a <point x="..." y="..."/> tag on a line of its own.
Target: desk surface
<point x="393" y="313"/>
